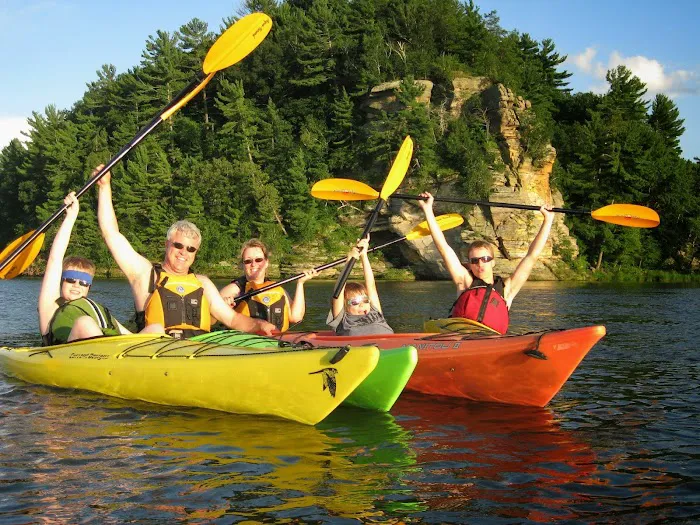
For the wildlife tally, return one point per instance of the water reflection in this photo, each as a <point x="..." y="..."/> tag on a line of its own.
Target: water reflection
<point x="480" y="460"/>
<point x="85" y="457"/>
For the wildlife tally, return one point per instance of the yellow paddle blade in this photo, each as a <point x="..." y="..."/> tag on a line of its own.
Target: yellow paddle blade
<point x="167" y="114"/>
<point x="237" y="42"/>
<point x="24" y="259"/>
<point x="457" y="325"/>
<point x="343" y="190"/>
<point x="445" y="222"/>
<point x="398" y="169"/>
<point x="627" y="215"/>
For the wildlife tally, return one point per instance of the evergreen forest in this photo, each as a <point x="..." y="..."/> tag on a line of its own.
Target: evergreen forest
<point x="239" y="160"/>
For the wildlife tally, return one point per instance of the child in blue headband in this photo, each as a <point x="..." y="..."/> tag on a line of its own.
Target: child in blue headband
<point x="65" y="312"/>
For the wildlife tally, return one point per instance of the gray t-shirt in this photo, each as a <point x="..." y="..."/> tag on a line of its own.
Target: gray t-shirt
<point x="348" y="324"/>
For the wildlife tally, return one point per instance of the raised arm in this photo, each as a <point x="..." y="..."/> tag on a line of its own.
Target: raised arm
<point x="515" y="282"/>
<point x="51" y="285"/>
<point x="297" y="308"/>
<point x="460" y="275"/>
<point x="337" y="304"/>
<point x="232" y="319"/>
<point x="371" y="286"/>
<point x="129" y="261"/>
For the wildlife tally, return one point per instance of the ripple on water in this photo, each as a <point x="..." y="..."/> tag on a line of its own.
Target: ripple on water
<point x="618" y="444"/>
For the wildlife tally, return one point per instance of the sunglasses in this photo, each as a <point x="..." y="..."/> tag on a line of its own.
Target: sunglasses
<point x="180" y="246"/>
<point x="358" y="300"/>
<point x="483" y="259"/>
<point x="70" y="280"/>
<point x="250" y="261"/>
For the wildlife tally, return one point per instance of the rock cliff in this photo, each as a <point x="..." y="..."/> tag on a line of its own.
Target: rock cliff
<point x="518" y="179"/>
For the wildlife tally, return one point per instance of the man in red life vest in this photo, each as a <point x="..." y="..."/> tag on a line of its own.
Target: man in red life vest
<point x="482" y="296"/>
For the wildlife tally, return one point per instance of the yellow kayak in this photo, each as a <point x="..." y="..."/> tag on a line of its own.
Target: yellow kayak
<point x="303" y="385"/>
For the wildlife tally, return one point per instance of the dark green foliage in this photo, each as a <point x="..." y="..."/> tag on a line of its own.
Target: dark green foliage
<point x="611" y="151"/>
<point x="467" y="146"/>
<point x="13" y="212"/>
<point x="625" y="98"/>
<point x="240" y="158"/>
<point x="343" y="135"/>
<point x="665" y="119"/>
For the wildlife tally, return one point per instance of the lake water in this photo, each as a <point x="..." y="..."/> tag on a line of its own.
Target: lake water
<point x="618" y="444"/>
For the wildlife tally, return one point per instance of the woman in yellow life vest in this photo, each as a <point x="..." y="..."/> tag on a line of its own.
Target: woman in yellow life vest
<point x="273" y="305"/>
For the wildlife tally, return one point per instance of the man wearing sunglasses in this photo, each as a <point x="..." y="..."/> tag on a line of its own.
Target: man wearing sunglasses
<point x="65" y="312"/>
<point x="482" y="296"/>
<point x="169" y="293"/>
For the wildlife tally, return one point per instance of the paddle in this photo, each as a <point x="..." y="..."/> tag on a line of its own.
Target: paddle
<point x="234" y="45"/>
<point x="392" y="182"/>
<point x="445" y="222"/>
<point x="623" y="214"/>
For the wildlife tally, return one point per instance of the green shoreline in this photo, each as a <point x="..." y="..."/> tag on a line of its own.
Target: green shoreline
<point x="634" y="275"/>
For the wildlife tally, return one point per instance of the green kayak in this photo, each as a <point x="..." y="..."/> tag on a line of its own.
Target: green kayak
<point x="379" y="391"/>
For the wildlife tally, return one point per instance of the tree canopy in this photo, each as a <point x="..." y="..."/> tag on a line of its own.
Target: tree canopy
<point x="240" y="158"/>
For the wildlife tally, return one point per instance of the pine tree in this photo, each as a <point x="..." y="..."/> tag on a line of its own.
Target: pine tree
<point x="626" y="95"/>
<point x="311" y="52"/>
<point x="161" y="77"/>
<point x="665" y="119"/>
<point x="312" y="139"/>
<point x="236" y="138"/>
<point x="195" y="40"/>
<point x="12" y="175"/>
<point x="267" y="220"/>
<point x="299" y="207"/>
<point x="551" y="60"/>
<point x="342" y="134"/>
<point x="143" y="198"/>
<point x="54" y="160"/>
<point x="102" y="105"/>
<point x="274" y="140"/>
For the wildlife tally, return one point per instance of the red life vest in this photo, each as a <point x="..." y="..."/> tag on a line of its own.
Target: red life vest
<point x="484" y="303"/>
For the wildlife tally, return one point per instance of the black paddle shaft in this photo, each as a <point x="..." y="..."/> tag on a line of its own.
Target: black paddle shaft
<point x="489" y="203"/>
<point x="348" y="267"/>
<point x="142" y="134"/>
<point x="331" y="264"/>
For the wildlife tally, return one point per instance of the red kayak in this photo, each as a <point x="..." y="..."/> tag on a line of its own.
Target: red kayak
<point x="513" y="369"/>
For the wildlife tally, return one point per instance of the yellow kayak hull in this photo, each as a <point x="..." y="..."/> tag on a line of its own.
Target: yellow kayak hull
<point x="301" y="385"/>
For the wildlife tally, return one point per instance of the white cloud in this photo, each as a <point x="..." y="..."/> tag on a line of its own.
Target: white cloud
<point x="648" y="70"/>
<point x="584" y="61"/>
<point x="653" y="74"/>
<point x="587" y="64"/>
<point x="11" y="128"/>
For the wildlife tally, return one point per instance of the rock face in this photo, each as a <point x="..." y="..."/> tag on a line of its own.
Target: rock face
<point x="519" y="180"/>
<point x="464" y="88"/>
<point x="383" y="97"/>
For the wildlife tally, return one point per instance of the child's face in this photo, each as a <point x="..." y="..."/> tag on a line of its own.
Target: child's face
<point x="72" y="289"/>
<point x="481" y="263"/>
<point x="357" y="304"/>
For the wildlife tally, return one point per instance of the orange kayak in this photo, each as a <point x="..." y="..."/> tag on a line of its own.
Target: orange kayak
<point x="512" y="369"/>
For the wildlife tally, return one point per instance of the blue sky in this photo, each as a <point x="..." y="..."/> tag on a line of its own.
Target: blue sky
<point x="49" y="49"/>
<point x="656" y="40"/>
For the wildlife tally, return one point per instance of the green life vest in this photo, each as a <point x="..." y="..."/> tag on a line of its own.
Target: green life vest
<point x="63" y="320"/>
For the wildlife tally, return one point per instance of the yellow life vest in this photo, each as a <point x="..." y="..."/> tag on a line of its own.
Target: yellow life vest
<point x="179" y="304"/>
<point x="272" y="305"/>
